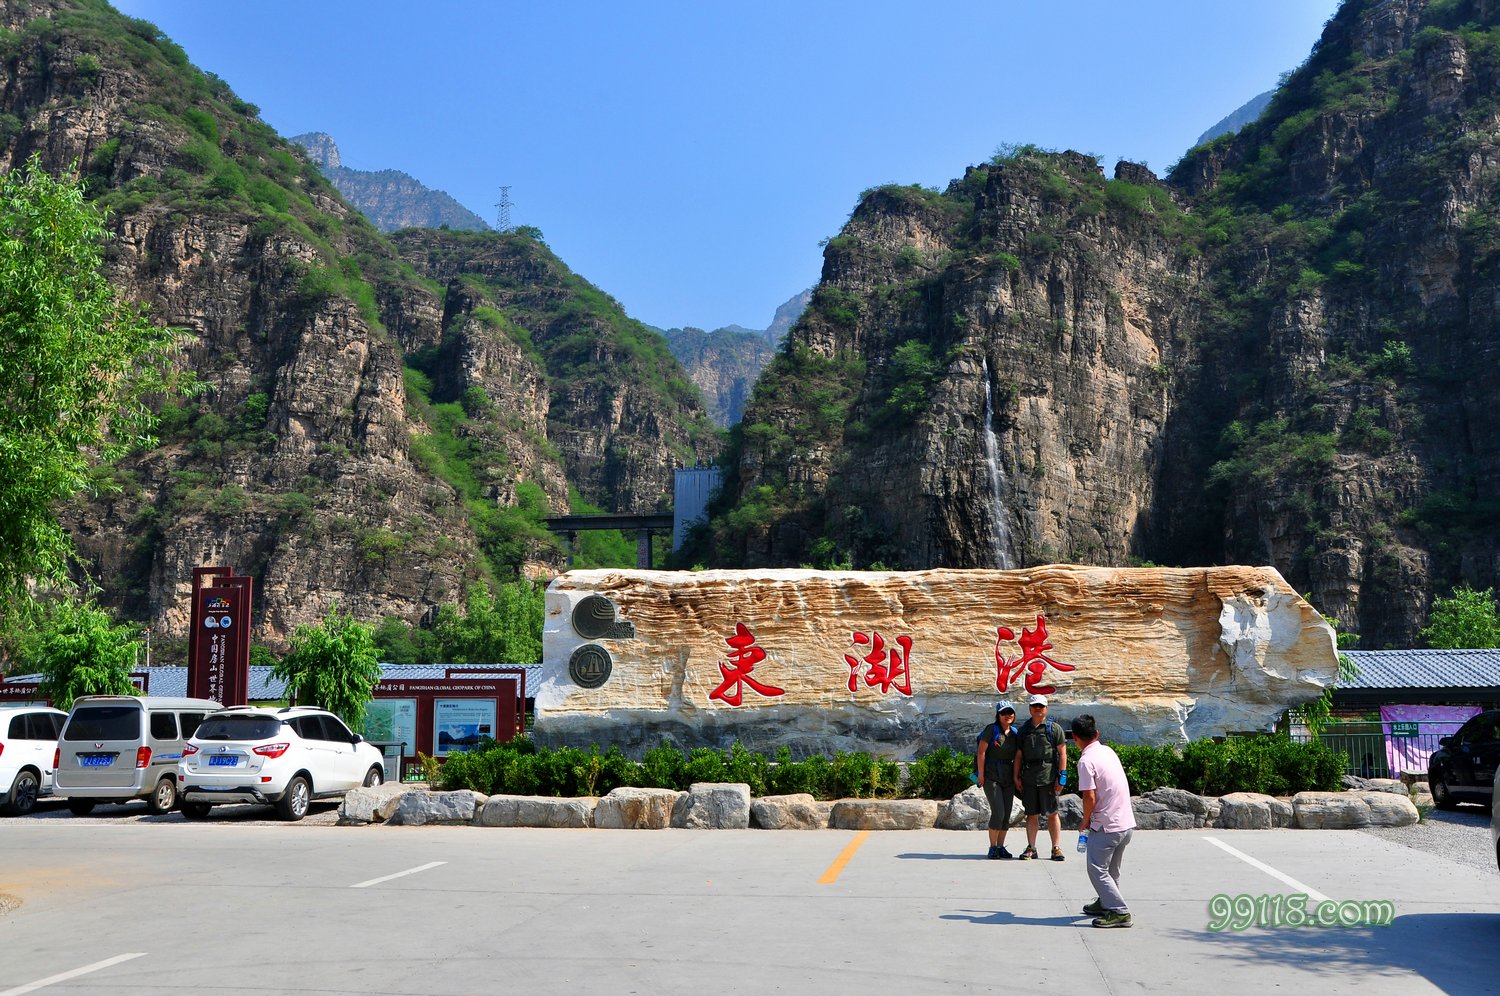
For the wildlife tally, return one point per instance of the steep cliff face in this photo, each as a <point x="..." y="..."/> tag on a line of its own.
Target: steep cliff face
<point x="388" y="197"/>
<point x="620" y="410"/>
<point x="1282" y="355"/>
<point x="337" y="451"/>
<point x="723" y="364"/>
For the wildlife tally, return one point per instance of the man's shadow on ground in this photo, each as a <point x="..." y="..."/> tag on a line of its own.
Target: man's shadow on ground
<point x="1001" y="917"/>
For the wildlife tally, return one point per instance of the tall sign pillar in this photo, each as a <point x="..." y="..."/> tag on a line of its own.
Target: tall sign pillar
<point x="219" y="648"/>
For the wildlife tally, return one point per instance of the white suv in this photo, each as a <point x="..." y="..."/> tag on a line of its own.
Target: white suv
<point x="281" y="757"/>
<point x="28" y="746"/>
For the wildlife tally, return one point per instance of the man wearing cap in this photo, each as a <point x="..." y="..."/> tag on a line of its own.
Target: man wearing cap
<point x="1108" y="819"/>
<point x="1041" y="760"/>
<point x="994" y="766"/>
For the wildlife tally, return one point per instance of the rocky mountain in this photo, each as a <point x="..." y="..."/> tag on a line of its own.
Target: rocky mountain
<point x="724" y="363"/>
<point x="1238" y="118"/>
<point x="388" y="197"/>
<point x="1282" y="354"/>
<point x="370" y="432"/>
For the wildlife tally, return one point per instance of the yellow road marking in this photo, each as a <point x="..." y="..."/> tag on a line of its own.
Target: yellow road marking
<point x="832" y="874"/>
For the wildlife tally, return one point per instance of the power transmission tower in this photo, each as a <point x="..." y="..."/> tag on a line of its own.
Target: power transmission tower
<point x="502" y="212"/>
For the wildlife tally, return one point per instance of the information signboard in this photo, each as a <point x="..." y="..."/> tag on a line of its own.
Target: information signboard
<point x="459" y="724"/>
<point x="219" y="647"/>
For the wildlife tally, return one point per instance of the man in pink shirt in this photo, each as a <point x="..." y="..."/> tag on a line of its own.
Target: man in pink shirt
<point x="1108" y="819"/>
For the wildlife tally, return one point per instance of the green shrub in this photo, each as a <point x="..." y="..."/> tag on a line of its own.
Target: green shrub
<point x="940" y="775"/>
<point x="1148" y="767"/>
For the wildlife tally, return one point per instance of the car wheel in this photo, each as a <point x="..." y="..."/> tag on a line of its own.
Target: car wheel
<point x="80" y="807"/>
<point x="164" y="798"/>
<point x="292" y="805"/>
<point x="23" y="794"/>
<point x="196" y="810"/>
<point x="374" y="776"/>
<point x="1442" y="797"/>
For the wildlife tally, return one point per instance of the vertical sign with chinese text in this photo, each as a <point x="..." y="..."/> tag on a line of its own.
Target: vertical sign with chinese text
<point x="219" y="648"/>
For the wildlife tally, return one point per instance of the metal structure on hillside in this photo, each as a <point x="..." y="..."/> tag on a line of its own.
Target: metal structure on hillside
<point x="502" y="211"/>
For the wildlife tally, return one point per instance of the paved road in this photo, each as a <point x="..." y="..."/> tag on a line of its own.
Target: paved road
<point x="236" y="906"/>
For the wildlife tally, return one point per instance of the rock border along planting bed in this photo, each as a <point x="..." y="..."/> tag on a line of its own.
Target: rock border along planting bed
<point x="728" y="806"/>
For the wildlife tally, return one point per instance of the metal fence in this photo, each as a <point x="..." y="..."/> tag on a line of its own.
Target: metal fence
<point x="1382" y="750"/>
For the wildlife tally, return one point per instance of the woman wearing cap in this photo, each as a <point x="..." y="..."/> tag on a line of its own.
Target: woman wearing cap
<point x="994" y="761"/>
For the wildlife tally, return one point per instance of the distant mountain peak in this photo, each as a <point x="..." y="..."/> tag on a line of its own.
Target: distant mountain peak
<point x="390" y="198"/>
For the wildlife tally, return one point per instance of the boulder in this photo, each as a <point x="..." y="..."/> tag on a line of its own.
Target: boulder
<point x="1421" y="795"/>
<point x="636" y="809"/>
<point x="1070" y="811"/>
<point x="713" y="806"/>
<point x="375" y="804"/>
<point x="1157" y="655"/>
<point x="1199" y="811"/>
<point x="789" y="812"/>
<point x="884" y="814"/>
<point x="536" y="811"/>
<point x="1389" y="810"/>
<point x="1282" y="815"/>
<point x="1153" y="815"/>
<point x="1353" y="782"/>
<point x="422" y="808"/>
<point x="970" y="810"/>
<point x="1246" y="811"/>
<point x="1393" y="785"/>
<point x="1352" y="810"/>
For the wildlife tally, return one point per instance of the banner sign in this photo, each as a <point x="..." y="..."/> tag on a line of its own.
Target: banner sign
<point x="219" y="648"/>
<point x="1409" y="752"/>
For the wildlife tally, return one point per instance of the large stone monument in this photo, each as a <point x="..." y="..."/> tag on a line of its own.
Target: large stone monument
<point x="899" y="663"/>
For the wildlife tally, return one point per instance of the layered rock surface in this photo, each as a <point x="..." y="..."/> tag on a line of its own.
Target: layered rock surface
<point x="1156" y="655"/>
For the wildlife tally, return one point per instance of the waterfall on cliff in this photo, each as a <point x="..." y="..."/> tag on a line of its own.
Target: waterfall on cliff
<point x="999" y="530"/>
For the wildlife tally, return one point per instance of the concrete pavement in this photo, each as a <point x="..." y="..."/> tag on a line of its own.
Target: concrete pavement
<point x="230" y="907"/>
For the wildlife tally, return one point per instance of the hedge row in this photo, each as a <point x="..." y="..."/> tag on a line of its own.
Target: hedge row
<point x="1274" y="765"/>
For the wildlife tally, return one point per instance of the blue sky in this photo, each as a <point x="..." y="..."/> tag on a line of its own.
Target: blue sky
<point x="688" y="157"/>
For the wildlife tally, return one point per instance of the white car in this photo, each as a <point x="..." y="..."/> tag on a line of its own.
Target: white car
<point x="28" y="746"/>
<point x="281" y="757"/>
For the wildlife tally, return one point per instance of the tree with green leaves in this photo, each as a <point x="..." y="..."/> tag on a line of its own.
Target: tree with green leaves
<point x="77" y="368"/>
<point x="79" y="650"/>
<point x="500" y="628"/>
<point x="333" y="665"/>
<point x="1466" y="619"/>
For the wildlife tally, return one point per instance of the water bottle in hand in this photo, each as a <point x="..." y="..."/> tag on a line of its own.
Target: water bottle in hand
<point x="1062" y="779"/>
<point x="1083" y="841"/>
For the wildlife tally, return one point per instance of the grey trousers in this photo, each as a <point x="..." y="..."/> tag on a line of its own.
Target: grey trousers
<point x="1104" y="854"/>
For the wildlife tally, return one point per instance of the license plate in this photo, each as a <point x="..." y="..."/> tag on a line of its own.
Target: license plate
<point x="222" y="760"/>
<point x="95" y="760"/>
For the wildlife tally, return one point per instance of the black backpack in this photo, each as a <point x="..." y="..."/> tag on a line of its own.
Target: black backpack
<point x="1039" y="752"/>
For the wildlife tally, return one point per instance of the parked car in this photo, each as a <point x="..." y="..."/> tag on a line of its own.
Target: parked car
<point x="28" y="747"/>
<point x="279" y="757"/>
<point x="120" y="747"/>
<point x="1463" y="767"/>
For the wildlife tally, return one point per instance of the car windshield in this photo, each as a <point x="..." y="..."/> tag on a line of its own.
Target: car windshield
<point x="104" y="722"/>
<point x="238" y="728"/>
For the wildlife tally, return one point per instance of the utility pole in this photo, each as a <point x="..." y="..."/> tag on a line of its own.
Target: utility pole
<point x="502" y="213"/>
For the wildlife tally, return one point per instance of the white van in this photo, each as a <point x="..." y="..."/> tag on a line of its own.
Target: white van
<point x="120" y="747"/>
<point x="28" y="748"/>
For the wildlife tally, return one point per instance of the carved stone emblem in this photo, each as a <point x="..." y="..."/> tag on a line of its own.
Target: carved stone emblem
<point x="594" y="619"/>
<point x="589" y="666"/>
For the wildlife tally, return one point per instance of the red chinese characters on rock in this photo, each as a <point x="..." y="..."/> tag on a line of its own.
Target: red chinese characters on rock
<point x="743" y="656"/>
<point x="888" y="669"/>
<point x="1032" y="660"/>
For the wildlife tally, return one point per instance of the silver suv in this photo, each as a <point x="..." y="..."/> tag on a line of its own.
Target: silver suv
<point x="279" y="757"/>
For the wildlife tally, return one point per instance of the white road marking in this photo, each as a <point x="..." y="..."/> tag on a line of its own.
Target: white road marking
<point x="1312" y="893"/>
<point x="387" y="878"/>
<point x="32" y="987"/>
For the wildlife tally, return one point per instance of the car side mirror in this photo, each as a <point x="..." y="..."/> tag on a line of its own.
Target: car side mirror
<point x="356" y="739"/>
<point x="1445" y="741"/>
